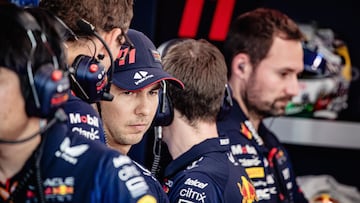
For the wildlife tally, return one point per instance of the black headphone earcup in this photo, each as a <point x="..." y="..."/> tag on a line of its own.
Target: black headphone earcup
<point x="44" y="86"/>
<point x="165" y="112"/>
<point x="89" y="79"/>
<point x="226" y="104"/>
<point x="51" y="91"/>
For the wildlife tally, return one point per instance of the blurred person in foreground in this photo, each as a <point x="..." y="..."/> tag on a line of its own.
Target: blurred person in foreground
<point x="40" y="159"/>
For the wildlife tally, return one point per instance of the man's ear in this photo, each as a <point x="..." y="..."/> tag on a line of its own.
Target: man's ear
<point x="112" y="39"/>
<point x="240" y="64"/>
<point x="113" y="35"/>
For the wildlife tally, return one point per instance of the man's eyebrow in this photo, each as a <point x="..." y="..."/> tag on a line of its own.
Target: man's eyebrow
<point x="156" y="87"/>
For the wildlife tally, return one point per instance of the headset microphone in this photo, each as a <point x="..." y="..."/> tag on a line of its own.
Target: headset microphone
<point x="88" y="28"/>
<point x="59" y="115"/>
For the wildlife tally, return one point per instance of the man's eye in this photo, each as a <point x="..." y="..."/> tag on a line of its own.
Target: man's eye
<point x="299" y="75"/>
<point x="154" y="92"/>
<point x="284" y="74"/>
<point x="128" y="93"/>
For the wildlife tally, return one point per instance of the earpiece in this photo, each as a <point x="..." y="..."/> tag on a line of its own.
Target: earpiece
<point x="48" y="84"/>
<point x="241" y="66"/>
<point x="165" y="112"/>
<point x="226" y="104"/>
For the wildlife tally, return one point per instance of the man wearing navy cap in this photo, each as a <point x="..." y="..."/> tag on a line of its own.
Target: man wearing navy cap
<point x="136" y="83"/>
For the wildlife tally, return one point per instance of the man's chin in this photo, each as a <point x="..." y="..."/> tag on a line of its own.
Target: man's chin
<point x="277" y="112"/>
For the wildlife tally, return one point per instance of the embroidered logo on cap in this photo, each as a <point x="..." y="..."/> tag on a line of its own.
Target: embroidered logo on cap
<point x="141" y="76"/>
<point x="156" y="55"/>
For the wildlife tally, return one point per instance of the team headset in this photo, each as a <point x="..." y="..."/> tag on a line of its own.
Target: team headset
<point x="49" y="85"/>
<point x="88" y="77"/>
<point x="163" y="117"/>
<point x="165" y="112"/>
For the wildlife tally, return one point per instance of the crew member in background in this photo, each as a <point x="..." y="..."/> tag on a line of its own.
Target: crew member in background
<point x="203" y="168"/>
<point x="264" y="56"/>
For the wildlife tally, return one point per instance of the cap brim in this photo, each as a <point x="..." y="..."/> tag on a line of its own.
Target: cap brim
<point x="140" y="78"/>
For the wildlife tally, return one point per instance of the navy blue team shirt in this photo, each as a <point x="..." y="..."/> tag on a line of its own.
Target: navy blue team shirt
<point x="154" y="185"/>
<point x="208" y="173"/>
<point x="264" y="158"/>
<point x="74" y="169"/>
<point x="84" y="121"/>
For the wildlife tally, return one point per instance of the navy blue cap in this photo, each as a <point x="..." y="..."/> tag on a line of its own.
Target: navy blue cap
<point x="140" y="66"/>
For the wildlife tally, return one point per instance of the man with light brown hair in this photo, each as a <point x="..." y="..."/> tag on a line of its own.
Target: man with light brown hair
<point x="203" y="168"/>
